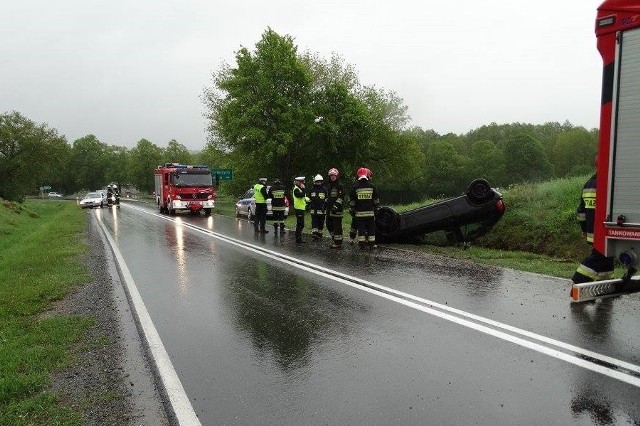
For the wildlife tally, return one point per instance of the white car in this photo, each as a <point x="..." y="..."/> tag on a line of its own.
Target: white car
<point x="55" y="195"/>
<point x="92" y="199"/>
<point x="246" y="206"/>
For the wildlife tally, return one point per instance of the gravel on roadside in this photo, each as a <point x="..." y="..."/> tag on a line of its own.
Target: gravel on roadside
<point x="110" y="380"/>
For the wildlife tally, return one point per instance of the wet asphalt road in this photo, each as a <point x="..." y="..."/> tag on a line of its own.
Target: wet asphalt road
<point x="389" y="337"/>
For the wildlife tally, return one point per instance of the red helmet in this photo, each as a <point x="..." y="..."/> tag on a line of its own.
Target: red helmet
<point x="363" y="172"/>
<point x="369" y="173"/>
<point x="333" y="172"/>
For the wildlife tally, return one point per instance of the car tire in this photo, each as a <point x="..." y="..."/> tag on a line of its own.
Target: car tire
<point x="387" y="220"/>
<point x="249" y="214"/>
<point x="479" y="191"/>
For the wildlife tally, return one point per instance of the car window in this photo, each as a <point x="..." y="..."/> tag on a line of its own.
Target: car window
<point x="92" y="195"/>
<point x="248" y="194"/>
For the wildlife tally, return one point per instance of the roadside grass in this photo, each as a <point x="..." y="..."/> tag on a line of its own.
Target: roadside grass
<point x="40" y="242"/>
<point x="538" y="233"/>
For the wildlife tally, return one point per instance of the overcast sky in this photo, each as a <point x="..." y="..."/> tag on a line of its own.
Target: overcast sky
<point x="126" y="70"/>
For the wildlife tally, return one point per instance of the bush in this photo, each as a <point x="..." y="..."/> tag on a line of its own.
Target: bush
<point x="541" y="218"/>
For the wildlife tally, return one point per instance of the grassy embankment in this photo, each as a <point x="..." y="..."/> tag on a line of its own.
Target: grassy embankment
<point x="40" y="244"/>
<point x="538" y="232"/>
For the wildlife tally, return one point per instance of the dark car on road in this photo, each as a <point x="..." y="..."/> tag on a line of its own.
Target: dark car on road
<point x="463" y="218"/>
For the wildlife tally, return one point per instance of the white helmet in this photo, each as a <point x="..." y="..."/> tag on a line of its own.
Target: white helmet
<point x="318" y="178"/>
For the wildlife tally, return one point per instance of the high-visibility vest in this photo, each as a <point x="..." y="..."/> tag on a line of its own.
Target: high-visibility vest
<point x="257" y="193"/>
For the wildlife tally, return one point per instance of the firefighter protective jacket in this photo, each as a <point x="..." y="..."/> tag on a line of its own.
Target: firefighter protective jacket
<point x="318" y="197"/>
<point x="335" y="199"/>
<point x="587" y="208"/>
<point x="364" y="199"/>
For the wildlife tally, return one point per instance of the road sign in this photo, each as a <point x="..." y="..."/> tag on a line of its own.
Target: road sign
<point x="223" y="174"/>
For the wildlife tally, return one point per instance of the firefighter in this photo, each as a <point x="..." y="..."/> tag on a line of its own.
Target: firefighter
<point x="334" y="208"/>
<point x="277" y="193"/>
<point x="353" y="232"/>
<point x="596" y="266"/>
<point x="299" y="205"/>
<point x="318" y="197"/>
<point x="364" y="203"/>
<point x="260" y="196"/>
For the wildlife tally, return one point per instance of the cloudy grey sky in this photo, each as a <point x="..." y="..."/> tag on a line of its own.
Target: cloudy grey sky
<point x="126" y="70"/>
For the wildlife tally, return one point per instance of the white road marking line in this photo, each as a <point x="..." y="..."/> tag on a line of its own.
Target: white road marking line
<point x="436" y="309"/>
<point x="178" y="400"/>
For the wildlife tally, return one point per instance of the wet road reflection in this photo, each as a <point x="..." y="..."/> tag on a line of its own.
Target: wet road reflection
<point x="258" y="341"/>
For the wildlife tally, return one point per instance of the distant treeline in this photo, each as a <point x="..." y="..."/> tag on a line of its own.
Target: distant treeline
<point x="33" y="155"/>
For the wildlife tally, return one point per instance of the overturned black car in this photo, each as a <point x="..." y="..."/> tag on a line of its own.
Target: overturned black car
<point x="463" y="218"/>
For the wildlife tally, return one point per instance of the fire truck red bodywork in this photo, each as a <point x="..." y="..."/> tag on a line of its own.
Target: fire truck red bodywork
<point x="184" y="187"/>
<point x="617" y="214"/>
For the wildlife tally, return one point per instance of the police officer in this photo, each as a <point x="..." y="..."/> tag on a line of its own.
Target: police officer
<point x="260" y="196"/>
<point x="277" y="193"/>
<point x="299" y="205"/>
<point x="318" y="198"/>
<point x="596" y="266"/>
<point x="364" y="202"/>
<point x="334" y="208"/>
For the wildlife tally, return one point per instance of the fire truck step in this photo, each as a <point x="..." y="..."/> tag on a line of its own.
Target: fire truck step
<point x="603" y="289"/>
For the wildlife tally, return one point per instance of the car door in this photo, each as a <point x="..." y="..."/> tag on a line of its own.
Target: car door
<point x="246" y="203"/>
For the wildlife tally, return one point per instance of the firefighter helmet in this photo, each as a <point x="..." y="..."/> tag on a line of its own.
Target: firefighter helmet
<point x="318" y="178"/>
<point x="262" y="180"/>
<point x="363" y="173"/>
<point x="333" y="172"/>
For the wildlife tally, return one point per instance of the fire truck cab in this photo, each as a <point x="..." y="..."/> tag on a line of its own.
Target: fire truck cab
<point x="184" y="187"/>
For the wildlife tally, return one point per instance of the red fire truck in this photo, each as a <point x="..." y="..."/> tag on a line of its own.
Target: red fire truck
<point x="617" y="212"/>
<point x="183" y="187"/>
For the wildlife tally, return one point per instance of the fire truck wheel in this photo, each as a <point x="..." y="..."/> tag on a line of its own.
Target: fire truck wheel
<point x="207" y="212"/>
<point x="169" y="209"/>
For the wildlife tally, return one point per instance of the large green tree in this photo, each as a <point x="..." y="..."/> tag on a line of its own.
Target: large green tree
<point x="145" y="157"/>
<point x="89" y="162"/>
<point x="444" y="170"/>
<point x="28" y="153"/>
<point x="525" y="159"/>
<point x="176" y="152"/>
<point x="573" y="152"/>
<point x="261" y="109"/>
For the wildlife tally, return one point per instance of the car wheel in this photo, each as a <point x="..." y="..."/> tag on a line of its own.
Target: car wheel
<point x="387" y="220"/>
<point x="479" y="191"/>
<point x="249" y="214"/>
<point x="101" y="205"/>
